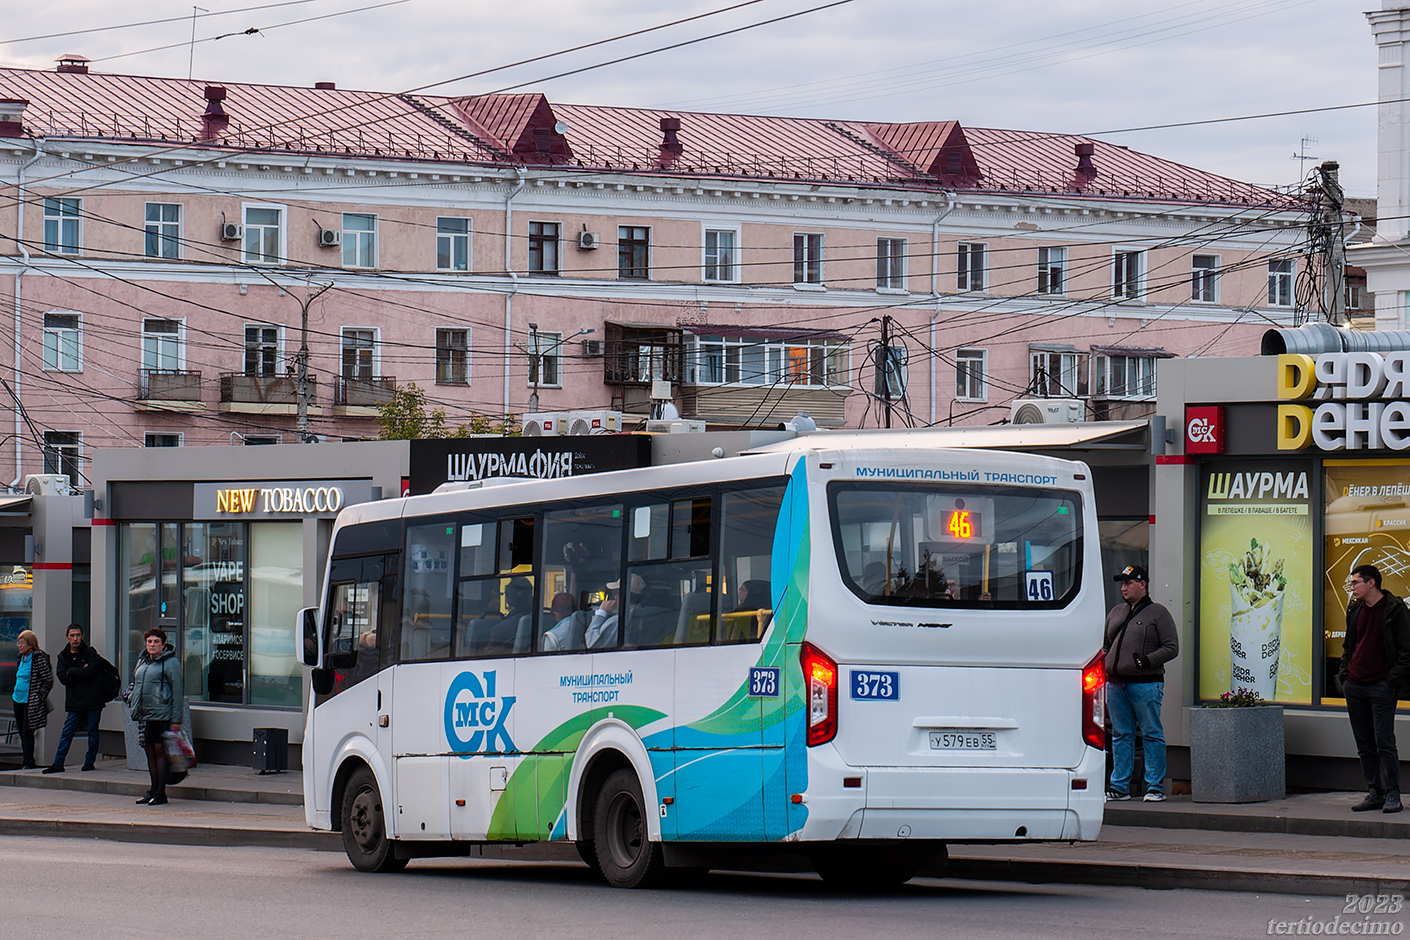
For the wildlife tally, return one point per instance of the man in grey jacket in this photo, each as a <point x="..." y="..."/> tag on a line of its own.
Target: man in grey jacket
<point x="1140" y="639"/>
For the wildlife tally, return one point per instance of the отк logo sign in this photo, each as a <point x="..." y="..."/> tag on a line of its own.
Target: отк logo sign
<point x="1204" y="429"/>
<point x="474" y="717"/>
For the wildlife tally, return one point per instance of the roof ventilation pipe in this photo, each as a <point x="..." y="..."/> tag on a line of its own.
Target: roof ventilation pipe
<point x="73" y="64"/>
<point x="12" y="116"/>
<point x="325" y="86"/>
<point x="670" y="146"/>
<point x="1086" y="170"/>
<point x="214" y="121"/>
<point x="1314" y="338"/>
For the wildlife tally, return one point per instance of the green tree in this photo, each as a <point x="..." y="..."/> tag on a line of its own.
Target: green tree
<point x="408" y="417"/>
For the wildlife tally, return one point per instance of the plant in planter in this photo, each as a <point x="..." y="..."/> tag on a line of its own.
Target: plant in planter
<point x="1236" y="750"/>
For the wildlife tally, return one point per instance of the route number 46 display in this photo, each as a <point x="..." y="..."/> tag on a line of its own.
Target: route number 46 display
<point x="1039" y="585"/>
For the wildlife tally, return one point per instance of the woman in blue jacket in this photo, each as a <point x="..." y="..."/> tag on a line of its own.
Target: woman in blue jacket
<point x="156" y="706"/>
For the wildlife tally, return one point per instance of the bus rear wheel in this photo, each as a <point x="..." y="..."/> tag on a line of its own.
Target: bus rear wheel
<point x="626" y="857"/>
<point x="365" y="827"/>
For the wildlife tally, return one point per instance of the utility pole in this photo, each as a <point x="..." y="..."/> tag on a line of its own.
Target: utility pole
<point x="883" y="362"/>
<point x="1330" y="209"/>
<point x="305" y="392"/>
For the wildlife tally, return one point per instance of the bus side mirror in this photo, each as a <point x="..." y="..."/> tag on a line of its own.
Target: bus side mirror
<point x="322" y="680"/>
<point x="308" y="617"/>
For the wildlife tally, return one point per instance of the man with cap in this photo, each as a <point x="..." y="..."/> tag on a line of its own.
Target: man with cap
<point x="1140" y="639"/>
<point x="601" y="633"/>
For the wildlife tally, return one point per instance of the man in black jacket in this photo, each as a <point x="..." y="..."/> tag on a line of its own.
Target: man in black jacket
<point x="1375" y="666"/>
<point x="1140" y="639"/>
<point x="80" y="671"/>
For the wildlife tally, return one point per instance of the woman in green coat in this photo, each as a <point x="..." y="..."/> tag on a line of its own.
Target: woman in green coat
<point x="156" y="701"/>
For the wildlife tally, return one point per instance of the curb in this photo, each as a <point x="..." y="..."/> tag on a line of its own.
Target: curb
<point x="84" y="783"/>
<point x="1164" y="877"/>
<point x="172" y="834"/>
<point x="1377" y="826"/>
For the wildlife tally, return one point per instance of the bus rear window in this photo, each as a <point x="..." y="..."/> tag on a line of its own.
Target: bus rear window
<point x="976" y="547"/>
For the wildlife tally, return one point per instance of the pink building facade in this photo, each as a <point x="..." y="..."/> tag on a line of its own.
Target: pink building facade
<point x="164" y="240"/>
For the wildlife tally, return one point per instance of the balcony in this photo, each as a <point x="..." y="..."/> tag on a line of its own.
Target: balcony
<point x="242" y="393"/>
<point x="170" y="390"/>
<point x="362" y="397"/>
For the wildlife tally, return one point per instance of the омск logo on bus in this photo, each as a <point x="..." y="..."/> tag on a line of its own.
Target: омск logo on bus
<point x="475" y="716"/>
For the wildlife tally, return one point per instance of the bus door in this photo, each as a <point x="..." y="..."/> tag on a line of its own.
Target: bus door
<point x="357" y="647"/>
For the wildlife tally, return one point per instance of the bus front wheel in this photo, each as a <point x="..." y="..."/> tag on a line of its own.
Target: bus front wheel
<point x="365" y="827"/>
<point x="625" y="856"/>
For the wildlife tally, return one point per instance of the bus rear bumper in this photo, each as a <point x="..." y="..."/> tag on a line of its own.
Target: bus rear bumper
<point x="955" y="804"/>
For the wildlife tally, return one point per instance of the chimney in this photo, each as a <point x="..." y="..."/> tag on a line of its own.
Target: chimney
<point x="1086" y="169"/>
<point x="214" y="121"/>
<point x="326" y="86"/>
<point x="73" y="64"/>
<point x="12" y="116"/>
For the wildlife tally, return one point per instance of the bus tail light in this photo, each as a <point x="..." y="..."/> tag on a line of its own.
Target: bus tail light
<point x="1094" y="702"/>
<point x="820" y="673"/>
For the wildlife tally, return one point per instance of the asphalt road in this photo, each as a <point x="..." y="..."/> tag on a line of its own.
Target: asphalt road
<point x="89" y="889"/>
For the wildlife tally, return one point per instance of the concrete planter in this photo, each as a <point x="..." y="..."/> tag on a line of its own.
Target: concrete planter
<point x="1236" y="754"/>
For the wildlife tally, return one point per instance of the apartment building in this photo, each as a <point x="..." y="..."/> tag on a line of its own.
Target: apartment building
<point x="168" y="248"/>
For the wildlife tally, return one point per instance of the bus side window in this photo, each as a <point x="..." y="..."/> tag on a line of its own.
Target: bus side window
<point x="429" y="559"/>
<point x="746" y="556"/>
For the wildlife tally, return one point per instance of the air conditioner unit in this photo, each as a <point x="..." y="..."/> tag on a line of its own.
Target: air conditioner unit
<point x="231" y="231"/>
<point x="329" y="238"/>
<point x="545" y="424"/>
<point x="676" y="426"/>
<point x="594" y="422"/>
<point x="47" y="484"/>
<point x="589" y="241"/>
<point x="592" y="348"/>
<point x="1047" y="410"/>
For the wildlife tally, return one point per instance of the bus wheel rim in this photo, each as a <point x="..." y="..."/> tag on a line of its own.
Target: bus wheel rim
<point x="624" y="817"/>
<point x="366" y="820"/>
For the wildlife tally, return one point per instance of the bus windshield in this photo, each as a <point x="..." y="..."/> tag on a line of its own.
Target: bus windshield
<point x="958" y="546"/>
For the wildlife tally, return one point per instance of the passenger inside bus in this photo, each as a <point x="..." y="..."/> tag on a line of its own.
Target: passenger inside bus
<point x="568" y="629"/>
<point x="602" y="631"/>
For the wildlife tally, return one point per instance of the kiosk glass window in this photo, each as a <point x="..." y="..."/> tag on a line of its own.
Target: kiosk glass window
<point x="138" y="609"/>
<point x="213" y="612"/>
<point x="276" y="586"/>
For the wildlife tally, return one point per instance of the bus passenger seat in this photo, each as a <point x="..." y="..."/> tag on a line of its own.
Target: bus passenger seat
<point x="694" y="605"/>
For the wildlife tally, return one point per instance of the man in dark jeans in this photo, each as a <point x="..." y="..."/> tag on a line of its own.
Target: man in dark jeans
<point x="1375" y="666"/>
<point x="80" y="671"/>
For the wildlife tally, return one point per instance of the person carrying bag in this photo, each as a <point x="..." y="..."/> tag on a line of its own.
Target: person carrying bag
<point x="156" y="699"/>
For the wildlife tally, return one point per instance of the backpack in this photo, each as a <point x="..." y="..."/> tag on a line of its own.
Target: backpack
<point x="111" y="681"/>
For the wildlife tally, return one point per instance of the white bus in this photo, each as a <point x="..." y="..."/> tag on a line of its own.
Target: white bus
<point x="848" y="656"/>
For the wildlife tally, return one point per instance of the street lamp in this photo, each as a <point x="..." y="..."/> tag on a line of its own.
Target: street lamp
<point x="536" y="358"/>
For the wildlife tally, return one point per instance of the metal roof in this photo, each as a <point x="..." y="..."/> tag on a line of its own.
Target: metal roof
<point x="515" y="129"/>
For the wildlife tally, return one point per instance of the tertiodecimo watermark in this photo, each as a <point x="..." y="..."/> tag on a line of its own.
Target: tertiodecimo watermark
<point x="1363" y="915"/>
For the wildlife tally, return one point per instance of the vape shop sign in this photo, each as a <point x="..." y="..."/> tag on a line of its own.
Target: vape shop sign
<point x="1255" y="599"/>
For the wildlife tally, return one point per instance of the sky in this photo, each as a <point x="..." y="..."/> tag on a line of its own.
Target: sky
<point x="1070" y="66"/>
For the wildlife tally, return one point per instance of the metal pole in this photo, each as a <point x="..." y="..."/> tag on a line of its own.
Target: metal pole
<point x="304" y="392"/>
<point x="534" y="360"/>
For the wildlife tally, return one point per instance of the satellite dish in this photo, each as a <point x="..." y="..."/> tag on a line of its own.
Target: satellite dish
<point x="560" y="128"/>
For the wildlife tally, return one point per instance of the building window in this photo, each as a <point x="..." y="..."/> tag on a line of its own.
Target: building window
<point x="151" y="439"/>
<point x="1353" y="296"/>
<point x="161" y="345"/>
<point x="721" y="263"/>
<point x="264" y="231"/>
<point x="633" y="251"/>
<point x="63" y="342"/>
<point x="546" y="352"/>
<point x="971" y="272"/>
<point x="61" y="225"/>
<point x="807" y="258"/>
<point x="452" y="244"/>
<point x="261" y="349"/>
<point x="1280" y="283"/>
<point x="1126" y="274"/>
<point x="752" y="360"/>
<point x="1057" y="374"/>
<point x="1052" y="270"/>
<point x="359" y="240"/>
<point x="891" y="263"/>
<point x="163" y="239"/>
<point x="970" y="369"/>
<point x="1123" y="377"/>
<point x="359" y="354"/>
<point x="1204" y="279"/>
<point x="452" y="357"/>
<point x="543" y="247"/>
<point x="61" y="454"/>
<point x="255" y="440"/>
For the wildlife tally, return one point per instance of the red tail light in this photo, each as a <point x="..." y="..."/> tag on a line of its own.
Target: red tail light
<point x="1094" y="702"/>
<point x="820" y="674"/>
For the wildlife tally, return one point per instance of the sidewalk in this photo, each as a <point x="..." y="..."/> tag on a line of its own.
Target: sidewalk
<point x="1308" y="843"/>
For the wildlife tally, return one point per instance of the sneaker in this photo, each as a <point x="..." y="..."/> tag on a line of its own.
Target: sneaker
<point x="1116" y="796"/>
<point x="1368" y="804"/>
<point x="1154" y="796"/>
<point x="53" y="769"/>
<point x="88" y="767"/>
<point x="1392" y="806"/>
